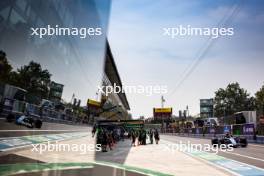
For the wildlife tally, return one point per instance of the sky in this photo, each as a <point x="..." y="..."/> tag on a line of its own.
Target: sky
<point x="190" y="70"/>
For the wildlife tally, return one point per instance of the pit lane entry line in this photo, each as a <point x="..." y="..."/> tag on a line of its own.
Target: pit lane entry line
<point x="11" y="143"/>
<point x="249" y="157"/>
<point x="10" y="169"/>
<point x="232" y="166"/>
<point x="237" y="154"/>
<point x="255" y="145"/>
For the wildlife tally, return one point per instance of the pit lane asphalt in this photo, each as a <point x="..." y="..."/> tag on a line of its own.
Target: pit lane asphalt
<point x="252" y="155"/>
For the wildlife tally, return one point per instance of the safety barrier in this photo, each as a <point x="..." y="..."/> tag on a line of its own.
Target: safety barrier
<point x="246" y="130"/>
<point x="19" y="108"/>
<point x="237" y="129"/>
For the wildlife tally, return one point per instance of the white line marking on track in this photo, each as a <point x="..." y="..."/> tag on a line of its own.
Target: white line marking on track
<point x="167" y="141"/>
<point x="255" y="145"/>
<point x="250" y="157"/>
<point x="205" y="161"/>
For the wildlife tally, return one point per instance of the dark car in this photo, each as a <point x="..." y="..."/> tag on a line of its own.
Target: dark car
<point x="23" y="120"/>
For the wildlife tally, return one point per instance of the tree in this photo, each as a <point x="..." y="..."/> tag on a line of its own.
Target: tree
<point x="260" y="100"/>
<point x="232" y="99"/>
<point x="5" y="68"/>
<point x="33" y="79"/>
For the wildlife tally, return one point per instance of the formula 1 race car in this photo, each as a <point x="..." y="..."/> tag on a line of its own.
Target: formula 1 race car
<point x="26" y="121"/>
<point x="230" y="141"/>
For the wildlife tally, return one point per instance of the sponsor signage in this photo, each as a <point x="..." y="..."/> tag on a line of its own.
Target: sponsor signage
<point x="248" y="129"/>
<point x="227" y="129"/>
<point x="91" y="102"/>
<point x="162" y="110"/>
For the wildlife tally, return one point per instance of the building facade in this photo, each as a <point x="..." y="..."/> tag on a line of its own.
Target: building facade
<point x="55" y="92"/>
<point x="206" y="108"/>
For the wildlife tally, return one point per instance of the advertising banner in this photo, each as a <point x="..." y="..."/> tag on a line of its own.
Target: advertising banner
<point x="248" y="129"/>
<point x="226" y="129"/>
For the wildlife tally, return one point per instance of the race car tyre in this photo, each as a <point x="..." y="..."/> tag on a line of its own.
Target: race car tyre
<point x="10" y="117"/>
<point x="215" y="141"/>
<point x="243" y="142"/>
<point x="29" y="122"/>
<point x="38" y="123"/>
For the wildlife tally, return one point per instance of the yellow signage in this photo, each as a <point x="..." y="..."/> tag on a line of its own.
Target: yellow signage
<point x="163" y="110"/>
<point x="93" y="103"/>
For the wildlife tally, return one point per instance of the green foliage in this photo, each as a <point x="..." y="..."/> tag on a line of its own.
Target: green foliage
<point x="260" y="100"/>
<point x="5" y="68"/>
<point x="34" y="79"/>
<point x="30" y="77"/>
<point x="232" y="99"/>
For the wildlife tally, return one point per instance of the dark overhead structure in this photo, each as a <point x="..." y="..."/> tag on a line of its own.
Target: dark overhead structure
<point x="111" y="72"/>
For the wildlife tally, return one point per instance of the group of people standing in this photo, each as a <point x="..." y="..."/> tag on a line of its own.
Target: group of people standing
<point x="109" y="137"/>
<point x="141" y="136"/>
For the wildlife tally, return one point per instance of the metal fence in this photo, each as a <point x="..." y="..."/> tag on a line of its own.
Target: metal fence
<point x="238" y="129"/>
<point x="18" y="108"/>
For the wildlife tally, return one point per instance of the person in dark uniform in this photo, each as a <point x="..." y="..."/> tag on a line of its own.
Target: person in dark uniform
<point x="129" y="134"/>
<point x="110" y="140"/>
<point x="151" y="136"/>
<point x="144" y="137"/>
<point x="156" y="136"/>
<point x="133" y="135"/>
<point x="94" y="130"/>
<point x="139" y="137"/>
<point x="227" y="135"/>
<point x="104" y="141"/>
<point x="99" y="138"/>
